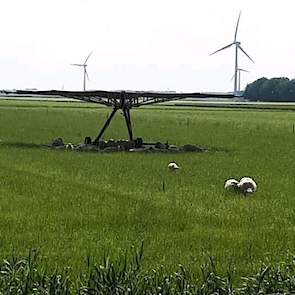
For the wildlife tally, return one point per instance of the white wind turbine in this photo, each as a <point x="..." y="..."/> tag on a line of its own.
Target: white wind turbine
<point x="84" y="65"/>
<point x="239" y="78"/>
<point x="238" y="46"/>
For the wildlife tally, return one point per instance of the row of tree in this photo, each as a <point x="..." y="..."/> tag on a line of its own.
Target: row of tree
<point x="275" y="89"/>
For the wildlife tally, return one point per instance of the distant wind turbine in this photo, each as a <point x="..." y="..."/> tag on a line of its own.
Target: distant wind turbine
<point x="238" y="46"/>
<point x="84" y="65"/>
<point x="239" y="78"/>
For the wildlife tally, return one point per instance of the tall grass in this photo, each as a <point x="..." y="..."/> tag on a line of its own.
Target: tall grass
<point x="125" y="275"/>
<point x="72" y="205"/>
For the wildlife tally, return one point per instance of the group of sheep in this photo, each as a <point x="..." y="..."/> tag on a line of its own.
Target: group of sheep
<point x="245" y="186"/>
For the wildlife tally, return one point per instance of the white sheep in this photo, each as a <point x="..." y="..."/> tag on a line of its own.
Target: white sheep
<point x="247" y="185"/>
<point x="173" y="166"/>
<point x="231" y="184"/>
<point x="69" y="146"/>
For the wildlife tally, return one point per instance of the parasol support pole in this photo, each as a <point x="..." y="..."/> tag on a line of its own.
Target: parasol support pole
<point x="105" y="126"/>
<point x="126" y="112"/>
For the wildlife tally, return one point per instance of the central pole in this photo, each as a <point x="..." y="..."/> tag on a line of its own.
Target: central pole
<point x="126" y="113"/>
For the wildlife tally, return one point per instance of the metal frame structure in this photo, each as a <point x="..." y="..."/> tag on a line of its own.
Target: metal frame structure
<point x="119" y="100"/>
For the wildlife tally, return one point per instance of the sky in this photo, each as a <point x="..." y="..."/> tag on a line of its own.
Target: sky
<point x="143" y="44"/>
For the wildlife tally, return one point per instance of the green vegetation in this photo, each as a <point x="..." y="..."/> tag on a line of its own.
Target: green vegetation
<point x="72" y="205"/>
<point x="233" y="105"/>
<point x="275" y="89"/>
<point x="126" y="276"/>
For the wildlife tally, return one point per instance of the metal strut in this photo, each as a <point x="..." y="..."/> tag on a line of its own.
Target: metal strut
<point x="126" y="113"/>
<point x="105" y="126"/>
<point x="122" y="104"/>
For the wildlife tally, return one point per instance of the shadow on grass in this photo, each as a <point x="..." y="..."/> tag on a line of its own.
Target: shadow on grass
<point x="219" y="150"/>
<point x="23" y="145"/>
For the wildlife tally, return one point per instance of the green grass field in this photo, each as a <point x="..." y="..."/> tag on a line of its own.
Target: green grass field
<point x="69" y="205"/>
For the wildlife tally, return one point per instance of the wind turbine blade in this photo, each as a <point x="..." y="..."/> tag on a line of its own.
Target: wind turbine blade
<point x="227" y="46"/>
<point x="232" y="77"/>
<point x="246" y="53"/>
<point x="242" y="70"/>
<point x="237" y="26"/>
<point x="79" y="65"/>
<point x="86" y="74"/>
<point x="88" y="57"/>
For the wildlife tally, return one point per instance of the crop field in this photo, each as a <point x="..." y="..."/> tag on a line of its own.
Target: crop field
<point x="71" y="205"/>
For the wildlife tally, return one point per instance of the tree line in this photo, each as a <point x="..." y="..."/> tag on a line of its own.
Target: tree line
<point x="275" y="89"/>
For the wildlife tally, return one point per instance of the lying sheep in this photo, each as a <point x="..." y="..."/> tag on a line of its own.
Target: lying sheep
<point x="69" y="146"/>
<point x="173" y="166"/>
<point x="246" y="185"/>
<point x="231" y="184"/>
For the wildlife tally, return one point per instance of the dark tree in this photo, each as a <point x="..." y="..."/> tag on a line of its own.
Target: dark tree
<point x="252" y="91"/>
<point x="275" y="89"/>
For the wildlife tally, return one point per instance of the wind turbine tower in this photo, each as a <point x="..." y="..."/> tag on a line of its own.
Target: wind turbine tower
<point x="84" y="65"/>
<point x="238" y="47"/>
<point x="239" y="78"/>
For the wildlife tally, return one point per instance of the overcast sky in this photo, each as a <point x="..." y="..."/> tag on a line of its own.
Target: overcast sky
<point x="143" y="44"/>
